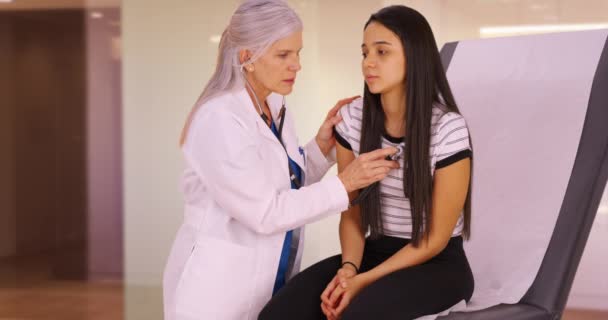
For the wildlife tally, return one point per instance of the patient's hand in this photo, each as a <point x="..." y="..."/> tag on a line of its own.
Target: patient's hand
<point x="346" y="272"/>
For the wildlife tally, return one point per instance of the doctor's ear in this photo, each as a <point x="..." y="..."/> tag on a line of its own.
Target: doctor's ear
<point x="244" y="59"/>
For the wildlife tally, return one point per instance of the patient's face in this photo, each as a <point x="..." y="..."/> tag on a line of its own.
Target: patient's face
<point x="384" y="62"/>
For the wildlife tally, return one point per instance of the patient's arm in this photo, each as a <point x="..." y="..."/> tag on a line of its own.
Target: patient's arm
<point x="450" y="189"/>
<point x="352" y="238"/>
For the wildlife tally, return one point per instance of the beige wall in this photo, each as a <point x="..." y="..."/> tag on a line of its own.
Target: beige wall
<point x="165" y="64"/>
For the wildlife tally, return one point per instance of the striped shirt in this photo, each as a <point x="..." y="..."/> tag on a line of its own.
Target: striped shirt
<point x="449" y="143"/>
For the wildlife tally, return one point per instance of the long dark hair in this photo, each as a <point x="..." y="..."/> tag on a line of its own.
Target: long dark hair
<point x="425" y="85"/>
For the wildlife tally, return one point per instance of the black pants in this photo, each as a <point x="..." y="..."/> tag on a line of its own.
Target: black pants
<point x="409" y="293"/>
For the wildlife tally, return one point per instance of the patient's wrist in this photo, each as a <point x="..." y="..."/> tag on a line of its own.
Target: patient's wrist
<point x="367" y="278"/>
<point x="350" y="266"/>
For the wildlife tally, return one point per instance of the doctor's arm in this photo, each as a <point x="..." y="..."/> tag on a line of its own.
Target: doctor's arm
<point x="321" y="150"/>
<point x="230" y="163"/>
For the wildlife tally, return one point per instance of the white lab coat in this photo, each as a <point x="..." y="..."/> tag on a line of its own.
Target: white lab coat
<point x="238" y="207"/>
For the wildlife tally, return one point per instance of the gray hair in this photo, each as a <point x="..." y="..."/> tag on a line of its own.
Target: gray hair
<point x="254" y="26"/>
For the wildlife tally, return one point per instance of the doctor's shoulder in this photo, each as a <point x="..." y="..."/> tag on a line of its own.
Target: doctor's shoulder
<point x="219" y="113"/>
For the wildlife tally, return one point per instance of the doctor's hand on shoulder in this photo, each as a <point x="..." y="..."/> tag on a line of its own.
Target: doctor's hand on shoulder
<point x="325" y="137"/>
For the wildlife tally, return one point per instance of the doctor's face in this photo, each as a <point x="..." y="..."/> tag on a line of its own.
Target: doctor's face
<point x="276" y="70"/>
<point x="384" y="60"/>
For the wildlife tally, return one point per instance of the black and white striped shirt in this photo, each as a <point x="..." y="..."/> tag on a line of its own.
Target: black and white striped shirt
<point x="449" y="143"/>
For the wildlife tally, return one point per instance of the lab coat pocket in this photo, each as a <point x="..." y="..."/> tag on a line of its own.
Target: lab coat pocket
<point x="217" y="281"/>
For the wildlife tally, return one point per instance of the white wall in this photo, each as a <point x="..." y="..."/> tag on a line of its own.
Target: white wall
<point x="168" y="57"/>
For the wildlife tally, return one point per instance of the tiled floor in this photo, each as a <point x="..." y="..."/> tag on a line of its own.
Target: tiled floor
<point x="27" y="293"/>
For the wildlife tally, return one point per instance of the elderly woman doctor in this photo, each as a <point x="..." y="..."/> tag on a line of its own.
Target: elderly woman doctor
<point x="248" y="186"/>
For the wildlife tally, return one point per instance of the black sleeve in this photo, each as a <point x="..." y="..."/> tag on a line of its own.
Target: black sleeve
<point x="342" y="141"/>
<point x="454" y="158"/>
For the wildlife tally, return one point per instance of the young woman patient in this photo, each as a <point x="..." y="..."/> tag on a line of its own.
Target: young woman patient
<point x="402" y="238"/>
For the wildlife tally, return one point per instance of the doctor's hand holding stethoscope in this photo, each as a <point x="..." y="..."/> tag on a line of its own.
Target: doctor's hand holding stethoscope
<point x="364" y="170"/>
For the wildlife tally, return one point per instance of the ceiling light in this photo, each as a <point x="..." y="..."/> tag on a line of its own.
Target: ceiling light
<point x="488" y="32"/>
<point x="96" y="15"/>
<point x="215" y="38"/>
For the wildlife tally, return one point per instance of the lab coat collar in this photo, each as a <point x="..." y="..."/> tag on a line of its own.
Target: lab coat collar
<point x="274" y="102"/>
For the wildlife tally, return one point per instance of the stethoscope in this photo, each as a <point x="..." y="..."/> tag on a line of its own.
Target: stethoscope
<point x="292" y="176"/>
<point x="363" y="194"/>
